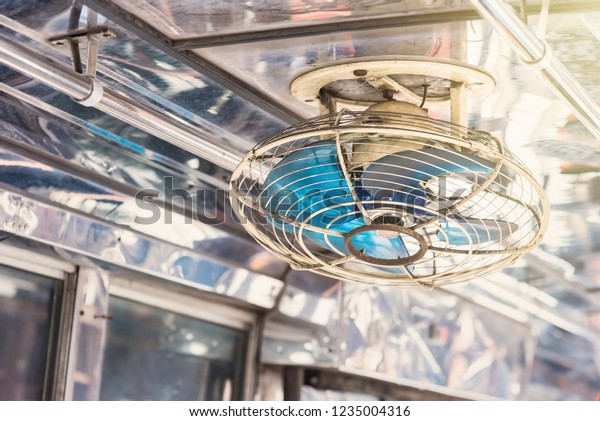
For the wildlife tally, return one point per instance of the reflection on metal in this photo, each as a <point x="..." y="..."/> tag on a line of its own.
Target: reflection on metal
<point x="327" y="27"/>
<point x="391" y="15"/>
<point x="307" y="328"/>
<point x="151" y="77"/>
<point x="592" y="21"/>
<point x="536" y="53"/>
<point x="122" y="247"/>
<point x="65" y="176"/>
<point x="304" y="330"/>
<point x="424" y="340"/>
<point x="135" y="155"/>
<point x="88" y="336"/>
<point x="203" y="66"/>
<point x="537" y="304"/>
<point x="21" y="58"/>
<point x="553" y="266"/>
<point x="432" y="337"/>
<point x="116" y="176"/>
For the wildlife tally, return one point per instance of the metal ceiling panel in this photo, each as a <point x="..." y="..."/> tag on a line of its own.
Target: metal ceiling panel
<point x="187" y="19"/>
<point x="273" y="65"/>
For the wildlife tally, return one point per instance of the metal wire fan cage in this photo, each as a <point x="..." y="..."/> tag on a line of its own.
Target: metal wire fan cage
<point x="389" y="199"/>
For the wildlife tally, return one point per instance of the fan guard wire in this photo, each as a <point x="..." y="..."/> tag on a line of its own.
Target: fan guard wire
<point x="280" y="194"/>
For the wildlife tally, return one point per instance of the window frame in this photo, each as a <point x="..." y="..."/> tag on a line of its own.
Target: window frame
<point x="201" y="306"/>
<point x="64" y="276"/>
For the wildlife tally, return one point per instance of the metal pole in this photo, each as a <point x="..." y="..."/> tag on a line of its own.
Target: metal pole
<point x="534" y="52"/>
<point x="85" y="89"/>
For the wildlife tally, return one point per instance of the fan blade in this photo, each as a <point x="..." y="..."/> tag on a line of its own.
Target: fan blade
<point x="380" y="247"/>
<point x="478" y="230"/>
<point x="398" y="176"/>
<point x="308" y="181"/>
<point x="370" y="242"/>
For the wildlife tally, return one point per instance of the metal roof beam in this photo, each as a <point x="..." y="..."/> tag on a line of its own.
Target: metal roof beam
<point x="133" y="24"/>
<point x="324" y="27"/>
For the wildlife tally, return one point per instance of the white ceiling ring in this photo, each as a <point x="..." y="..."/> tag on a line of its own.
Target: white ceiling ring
<point x="378" y="72"/>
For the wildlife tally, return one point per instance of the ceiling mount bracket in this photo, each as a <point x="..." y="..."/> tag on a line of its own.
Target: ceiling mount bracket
<point x="93" y="33"/>
<point x="81" y="34"/>
<point x="368" y="81"/>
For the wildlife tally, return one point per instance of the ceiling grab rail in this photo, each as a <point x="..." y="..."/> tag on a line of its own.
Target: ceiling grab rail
<point x="538" y="55"/>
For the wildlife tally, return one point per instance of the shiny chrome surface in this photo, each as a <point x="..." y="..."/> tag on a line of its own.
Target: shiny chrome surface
<point x="45" y="70"/>
<point x="245" y="91"/>
<point x="148" y="164"/>
<point x="559" y="352"/>
<point x="152" y="77"/>
<point x="75" y="176"/>
<point x="304" y="328"/>
<point x="89" y="237"/>
<point x="537" y="54"/>
<point x="434" y="338"/>
<point x="80" y="87"/>
<point x="88" y="335"/>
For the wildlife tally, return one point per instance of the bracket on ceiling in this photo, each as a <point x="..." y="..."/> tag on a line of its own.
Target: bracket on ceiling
<point x="92" y="33"/>
<point x="413" y="79"/>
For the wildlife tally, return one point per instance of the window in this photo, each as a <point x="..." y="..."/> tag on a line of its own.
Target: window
<point x="155" y="354"/>
<point x="27" y="314"/>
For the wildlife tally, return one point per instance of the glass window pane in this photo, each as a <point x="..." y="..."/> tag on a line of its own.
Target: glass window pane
<point x="154" y="354"/>
<point x="25" y="319"/>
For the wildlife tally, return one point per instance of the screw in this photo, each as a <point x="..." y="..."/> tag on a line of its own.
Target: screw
<point x="360" y="73"/>
<point x="388" y="93"/>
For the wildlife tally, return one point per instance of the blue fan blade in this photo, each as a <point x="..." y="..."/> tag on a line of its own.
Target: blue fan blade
<point x="337" y="242"/>
<point x="479" y="230"/>
<point x="371" y="243"/>
<point x="380" y="247"/>
<point x="398" y="176"/>
<point x="307" y="181"/>
<point x="310" y="180"/>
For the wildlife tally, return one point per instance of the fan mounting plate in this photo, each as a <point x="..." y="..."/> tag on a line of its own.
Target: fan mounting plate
<point x="363" y="83"/>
